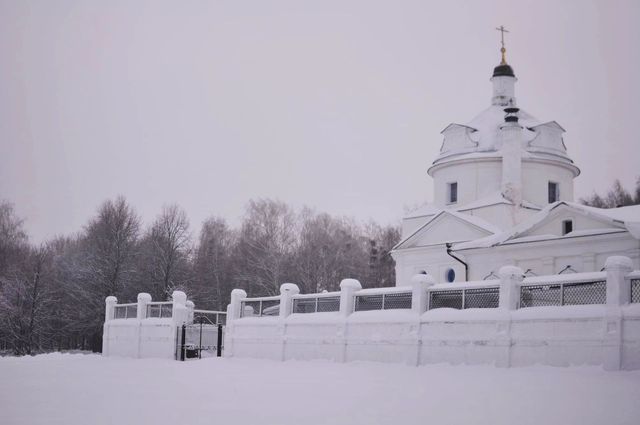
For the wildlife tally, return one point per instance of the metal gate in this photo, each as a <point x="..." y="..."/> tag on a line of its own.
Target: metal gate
<point x="198" y="340"/>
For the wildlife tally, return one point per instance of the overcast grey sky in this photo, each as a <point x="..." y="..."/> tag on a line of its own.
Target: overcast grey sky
<point x="333" y="104"/>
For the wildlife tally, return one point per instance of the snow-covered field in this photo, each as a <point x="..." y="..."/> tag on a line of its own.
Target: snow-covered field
<point x="75" y="389"/>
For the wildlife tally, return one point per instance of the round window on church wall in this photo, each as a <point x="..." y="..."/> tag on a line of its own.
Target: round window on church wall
<point x="451" y="275"/>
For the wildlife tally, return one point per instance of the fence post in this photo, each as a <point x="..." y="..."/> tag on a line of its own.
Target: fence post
<point x="618" y="294"/>
<point x="179" y="310"/>
<point x="420" y="284"/>
<point x="347" y="289"/>
<point x="287" y="291"/>
<point x="235" y="306"/>
<point x="219" y="342"/>
<point x="511" y="278"/>
<point x="110" y="303"/>
<point x="143" y="300"/>
<point x="190" y="307"/>
<point x="618" y="287"/>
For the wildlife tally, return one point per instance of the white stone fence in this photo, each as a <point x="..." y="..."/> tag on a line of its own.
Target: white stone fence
<point x="150" y="328"/>
<point x="581" y="318"/>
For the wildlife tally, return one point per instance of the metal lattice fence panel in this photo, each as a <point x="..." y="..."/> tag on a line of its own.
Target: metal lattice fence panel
<point x="160" y="311"/>
<point x="368" y="302"/>
<point x="481" y="298"/>
<point x="316" y="305"/>
<point x="635" y="290"/>
<point x="397" y="301"/>
<point x="125" y="311"/>
<point x="445" y="299"/>
<point x="259" y="308"/>
<point x="585" y="293"/>
<point x="575" y="293"/>
<point x="328" y="304"/>
<point x="540" y="295"/>
<point x="304" y="305"/>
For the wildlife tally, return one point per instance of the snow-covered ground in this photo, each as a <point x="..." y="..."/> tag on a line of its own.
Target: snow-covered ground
<point x="75" y="389"/>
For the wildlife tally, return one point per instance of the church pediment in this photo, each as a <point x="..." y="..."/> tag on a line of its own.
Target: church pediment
<point x="566" y="220"/>
<point x="562" y="220"/>
<point x="446" y="227"/>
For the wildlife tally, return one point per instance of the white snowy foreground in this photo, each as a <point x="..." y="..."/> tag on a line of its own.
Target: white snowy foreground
<point x="82" y="389"/>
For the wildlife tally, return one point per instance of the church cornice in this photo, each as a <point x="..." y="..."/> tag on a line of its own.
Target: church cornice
<point x="496" y="156"/>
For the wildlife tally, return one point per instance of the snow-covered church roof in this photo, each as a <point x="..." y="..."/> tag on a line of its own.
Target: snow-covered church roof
<point x="480" y="137"/>
<point x="624" y="218"/>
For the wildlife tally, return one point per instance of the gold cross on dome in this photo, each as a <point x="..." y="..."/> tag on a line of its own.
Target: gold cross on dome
<point x="502" y="30"/>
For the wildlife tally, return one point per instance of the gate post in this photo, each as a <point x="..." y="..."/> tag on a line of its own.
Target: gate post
<point x="219" y="345"/>
<point x="182" y="342"/>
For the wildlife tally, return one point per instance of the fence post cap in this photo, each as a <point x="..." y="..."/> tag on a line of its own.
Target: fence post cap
<point x="111" y="300"/>
<point x="618" y="262"/>
<point x="239" y="293"/>
<point x="179" y="297"/>
<point x="350" y="283"/>
<point x="143" y="296"/>
<point x="422" y="278"/>
<point x="289" y="287"/>
<point x="510" y="271"/>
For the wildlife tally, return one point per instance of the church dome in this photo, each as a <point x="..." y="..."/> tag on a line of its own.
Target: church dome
<point x="480" y="138"/>
<point x="503" y="70"/>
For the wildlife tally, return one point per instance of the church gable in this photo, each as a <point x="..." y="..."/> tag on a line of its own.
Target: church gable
<point x="566" y="220"/>
<point x="443" y="228"/>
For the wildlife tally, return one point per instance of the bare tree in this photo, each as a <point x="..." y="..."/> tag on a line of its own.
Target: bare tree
<point x="111" y="239"/>
<point x="167" y="247"/>
<point x="213" y="264"/>
<point x="329" y="250"/>
<point x="265" y="246"/>
<point x="617" y="196"/>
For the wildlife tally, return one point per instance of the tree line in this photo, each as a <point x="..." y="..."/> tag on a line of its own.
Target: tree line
<point x="52" y="294"/>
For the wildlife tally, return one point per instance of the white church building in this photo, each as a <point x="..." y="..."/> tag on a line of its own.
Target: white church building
<point x="502" y="268"/>
<point x="503" y="185"/>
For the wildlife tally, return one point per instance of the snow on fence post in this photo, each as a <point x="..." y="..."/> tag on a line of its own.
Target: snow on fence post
<point x="420" y="284"/>
<point x="287" y="291"/>
<point x="235" y="310"/>
<point x="110" y="304"/>
<point x="511" y="278"/>
<point x="190" y="307"/>
<point x="618" y="288"/>
<point x="143" y="300"/>
<point x="618" y="294"/>
<point x="179" y="309"/>
<point x="348" y="287"/>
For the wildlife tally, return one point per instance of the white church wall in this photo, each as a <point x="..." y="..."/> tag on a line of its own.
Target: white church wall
<point x="476" y="179"/>
<point x="503" y="336"/>
<point x="432" y="259"/>
<point x="583" y="254"/>
<point x="536" y="176"/>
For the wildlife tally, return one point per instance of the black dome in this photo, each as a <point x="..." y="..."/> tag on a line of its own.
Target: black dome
<point x="503" y="71"/>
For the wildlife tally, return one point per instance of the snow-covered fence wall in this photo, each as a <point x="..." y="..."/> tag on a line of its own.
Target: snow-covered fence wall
<point x="149" y="329"/>
<point x="581" y="318"/>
